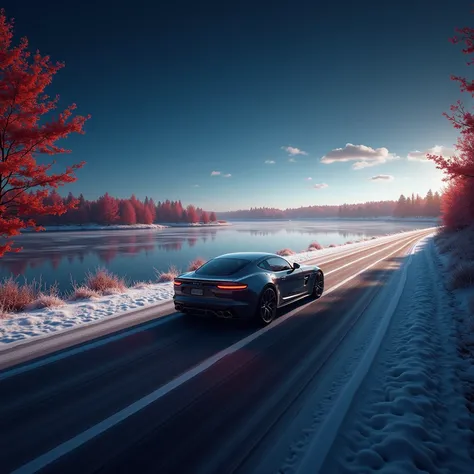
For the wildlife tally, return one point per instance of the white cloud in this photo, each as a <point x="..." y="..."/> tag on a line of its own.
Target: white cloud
<point x="215" y="173"/>
<point x="292" y="160"/>
<point x="228" y="175"/>
<point x="321" y="186"/>
<point x="364" y="156"/>
<point x="435" y="150"/>
<point x="292" y="151"/>
<point x="382" y="177"/>
<point x="269" y="162"/>
<point x="309" y="179"/>
<point x="195" y="185"/>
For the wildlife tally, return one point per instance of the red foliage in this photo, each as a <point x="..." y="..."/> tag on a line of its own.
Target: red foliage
<point x="204" y="217"/>
<point x="457" y="206"/>
<point x="212" y="217"/>
<point x="128" y="215"/>
<point x="150" y="205"/>
<point x="458" y="200"/>
<point x="147" y="216"/>
<point x="192" y="214"/>
<point x="25" y="184"/>
<point x="107" y="209"/>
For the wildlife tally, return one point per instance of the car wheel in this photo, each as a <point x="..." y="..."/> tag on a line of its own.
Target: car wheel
<point x="267" y="306"/>
<point x="318" y="286"/>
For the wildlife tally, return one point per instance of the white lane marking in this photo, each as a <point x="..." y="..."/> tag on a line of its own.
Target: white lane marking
<point x="94" y="431"/>
<point x="165" y="319"/>
<point x="363" y="258"/>
<point x="86" y="347"/>
<point x="364" y="248"/>
<point x="321" y="443"/>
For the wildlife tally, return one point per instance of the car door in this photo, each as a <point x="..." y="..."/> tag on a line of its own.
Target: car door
<point x="286" y="279"/>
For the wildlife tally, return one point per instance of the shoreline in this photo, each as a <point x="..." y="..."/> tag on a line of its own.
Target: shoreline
<point x="97" y="227"/>
<point x="168" y="225"/>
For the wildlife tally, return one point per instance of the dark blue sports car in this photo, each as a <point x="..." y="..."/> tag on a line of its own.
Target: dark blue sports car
<point x="246" y="285"/>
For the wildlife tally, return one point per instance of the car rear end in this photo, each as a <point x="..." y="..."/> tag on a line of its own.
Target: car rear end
<point x="225" y="295"/>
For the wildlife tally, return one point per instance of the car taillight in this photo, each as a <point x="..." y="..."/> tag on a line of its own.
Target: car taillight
<point x="231" y="286"/>
<point x="177" y="283"/>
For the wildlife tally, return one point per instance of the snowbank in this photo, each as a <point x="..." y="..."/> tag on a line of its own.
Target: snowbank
<point x="197" y="224"/>
<point x="29" y="324"/>
<point x="408" y="412"/>
<point x="25" y="325"/>
<point x="87" y="227"/>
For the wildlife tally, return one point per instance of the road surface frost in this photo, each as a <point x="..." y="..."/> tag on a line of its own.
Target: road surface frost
<point x="410" y="413"/>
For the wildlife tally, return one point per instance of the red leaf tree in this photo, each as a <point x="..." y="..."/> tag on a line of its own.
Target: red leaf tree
<point x="204" y="217"/>
<point x="24" y="183"/>
<point x="458" y="201"/>
<point x="128" y="215"/>
<point x="192" y="215"/>
<point x="212" y="217"/>
<point x="107" y="209"/>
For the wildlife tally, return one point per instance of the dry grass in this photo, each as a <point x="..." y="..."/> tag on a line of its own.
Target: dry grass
<point x="82" y="293"/>
<point x="103" y="281"/>
<point x="15" y="296"/>
<point x="45" y="300"/>
<point x="195" y="264"/>
<point x="462" y="275"/>
<point x="170" y="275"/>
<point x="315" y="246"/>
<point x="349" y="242"/>
<point x="285" y="252"/>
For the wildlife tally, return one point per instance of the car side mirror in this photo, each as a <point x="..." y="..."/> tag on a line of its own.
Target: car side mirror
<point x="296" y="265"/>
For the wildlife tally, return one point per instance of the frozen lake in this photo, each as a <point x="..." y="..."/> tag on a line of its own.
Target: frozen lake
<point x="62" y="256"/>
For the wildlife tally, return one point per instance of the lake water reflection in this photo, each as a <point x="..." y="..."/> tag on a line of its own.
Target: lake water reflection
<point x="64" y="256"/>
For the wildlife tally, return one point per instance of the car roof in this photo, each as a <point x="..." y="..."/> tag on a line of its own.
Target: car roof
<point x="247" y="255"/>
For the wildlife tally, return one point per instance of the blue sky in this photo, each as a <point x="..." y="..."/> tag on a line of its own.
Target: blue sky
<point x="181" y="90"/>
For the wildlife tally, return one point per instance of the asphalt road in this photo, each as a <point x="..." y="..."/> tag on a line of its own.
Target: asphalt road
<point x="153" y="401"/>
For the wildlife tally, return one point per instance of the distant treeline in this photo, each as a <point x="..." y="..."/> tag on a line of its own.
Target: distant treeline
<point x="107" y="210"/>
<point x="411" y="206"/>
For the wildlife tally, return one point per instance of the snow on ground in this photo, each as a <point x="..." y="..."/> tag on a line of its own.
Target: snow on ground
<point x="87" y="227"/>
<point x="197" y="224"/>
<point x="409" y="414"/>
<point x="29" y="324"/>
<point x="25" y="325"/>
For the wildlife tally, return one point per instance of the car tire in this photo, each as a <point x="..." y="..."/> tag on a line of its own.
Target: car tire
<point x="267" y="306"/>
<point x="318" y="286"/>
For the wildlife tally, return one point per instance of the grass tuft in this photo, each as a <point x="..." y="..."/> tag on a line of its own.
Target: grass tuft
<point x="315" y="246"/>
<point x="44" y="300"/>
<point x="195" y="264"/>
<point x="169" y="275"/>
<point x="103" y="281"/>
<point x="15" y="296"/>
<point x="82" y="293"/>
<point x="285" y="252"/>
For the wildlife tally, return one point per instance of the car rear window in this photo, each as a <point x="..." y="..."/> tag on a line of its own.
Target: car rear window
<point x="222" y="266"/>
